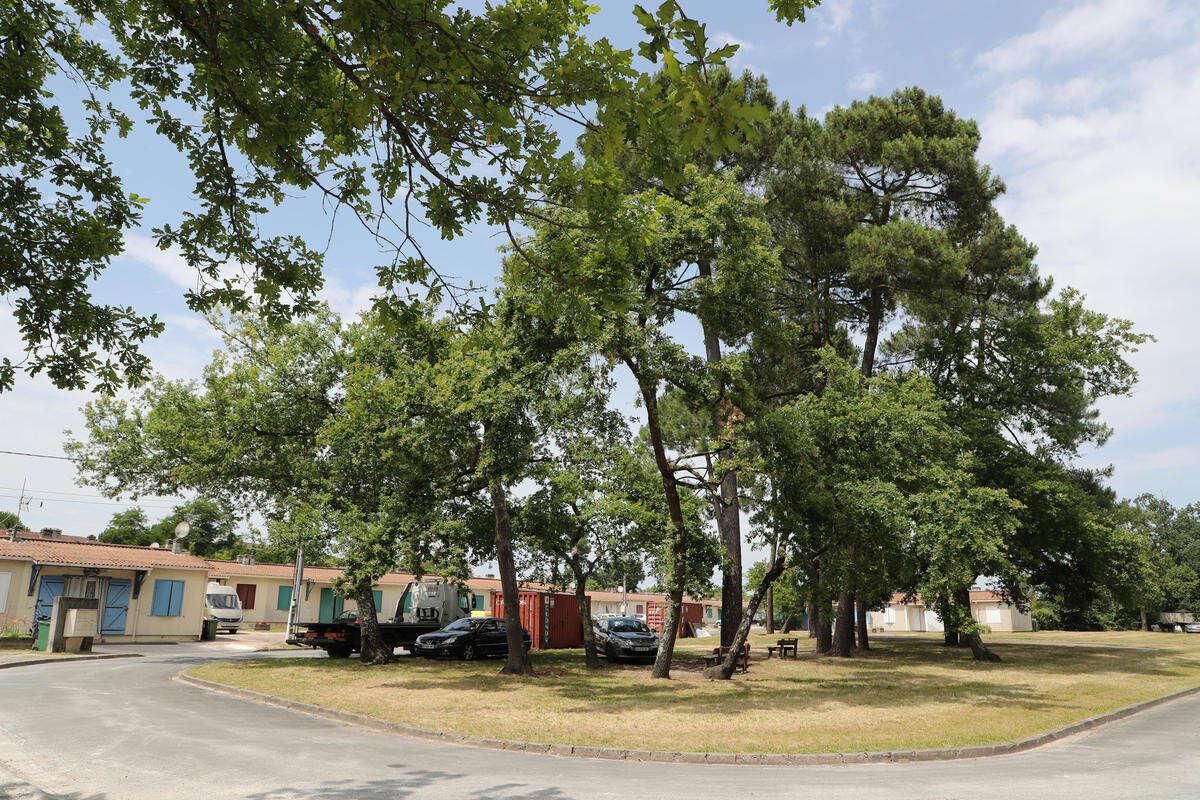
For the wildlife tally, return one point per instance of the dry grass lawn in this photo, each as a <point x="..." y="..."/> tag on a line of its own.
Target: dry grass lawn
<point x="908" y="692"/>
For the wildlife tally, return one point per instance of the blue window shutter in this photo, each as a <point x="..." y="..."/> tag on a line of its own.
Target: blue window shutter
<point x="378" y="597"/>
<point x="176" y="598"/>
<point x="160" y="606"/>
<point x="285" y="598"/>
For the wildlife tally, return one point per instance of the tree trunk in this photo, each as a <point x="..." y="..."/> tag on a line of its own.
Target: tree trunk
<point x="726" y="508"/>
<point x="585" y="619"/>
<point x="811" y="612"/>
<point x="1145" y="620"/>
<point x="729" y="525"/>
<point x="724" y="670"/>
<point x="823" y="626"/>
<point x="874" y="320"/>
<point x="518" y="659"/>
<point x="979" y="650"/>
<point x="771" y="594"/>
<point x="843" y="631"/>
<point x="860" y="613"/>
<point x="678" y="532"/>
<point x="372" y="649"/>
<point x="962" y="599"/>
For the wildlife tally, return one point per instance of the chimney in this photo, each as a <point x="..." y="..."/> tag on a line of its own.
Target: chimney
<point x="176" y="546"/>
<point x="12" y="536"/>
<point x="50" y="533"/>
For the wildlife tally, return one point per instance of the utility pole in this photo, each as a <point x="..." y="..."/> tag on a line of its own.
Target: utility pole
<point x="297" y="584"/>
<point x="625" y="594"/>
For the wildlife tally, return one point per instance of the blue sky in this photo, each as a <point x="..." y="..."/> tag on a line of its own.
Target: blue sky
<point x="1090" y="111"/>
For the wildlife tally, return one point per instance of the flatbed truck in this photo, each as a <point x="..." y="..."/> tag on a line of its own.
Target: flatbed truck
<point x="434" y="604"/>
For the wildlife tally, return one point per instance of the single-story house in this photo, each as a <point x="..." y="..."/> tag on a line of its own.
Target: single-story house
<point x="636" y="604"/>
<point x="266" y="591"/>
<point x="150" y="593"/>
<point x="144" y="593"/>
<point x="904" y="613"/>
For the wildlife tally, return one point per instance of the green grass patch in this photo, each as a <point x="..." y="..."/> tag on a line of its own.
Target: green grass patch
<point x="908" y="692"/>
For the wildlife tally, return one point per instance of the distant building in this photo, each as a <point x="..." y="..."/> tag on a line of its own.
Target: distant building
<point x="911" y="614"/>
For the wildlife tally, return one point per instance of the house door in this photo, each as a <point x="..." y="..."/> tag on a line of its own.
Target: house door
<point x="916" y="619"/>
<point x="331" y="605"/>
<point x="116" y="606"/>
<point x="932" y="621"/>
<point x="50" y="589"/>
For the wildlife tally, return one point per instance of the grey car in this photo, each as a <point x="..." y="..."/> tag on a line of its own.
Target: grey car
<point x="624" y="637"/>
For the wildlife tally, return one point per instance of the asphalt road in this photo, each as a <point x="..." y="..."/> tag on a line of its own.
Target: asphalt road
<point x="123" y="730"/>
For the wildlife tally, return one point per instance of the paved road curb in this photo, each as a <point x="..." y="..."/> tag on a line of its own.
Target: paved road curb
<point x="61" y="659"/>
<point x="760" y="759"/>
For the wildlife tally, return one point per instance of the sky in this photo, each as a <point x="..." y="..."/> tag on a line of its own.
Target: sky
<point x="1089" y="112"/>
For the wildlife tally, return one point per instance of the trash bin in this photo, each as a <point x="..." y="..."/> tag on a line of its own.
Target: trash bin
<point x="43" y="635"/>
<point x="209" y="631"/>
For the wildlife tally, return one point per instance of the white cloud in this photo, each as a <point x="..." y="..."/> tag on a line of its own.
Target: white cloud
<point x="346" y="301"/>
<point x="832" y="18"/>
<point x="1103" y="170"/>
<point x="864" y="81"/>
<point x="724" y="37"/>
<point x="168" y="263"/>
<point x="1089" y="28"/>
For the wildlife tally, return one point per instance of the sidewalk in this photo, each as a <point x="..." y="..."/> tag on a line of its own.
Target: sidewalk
<point x="21" y="658"/>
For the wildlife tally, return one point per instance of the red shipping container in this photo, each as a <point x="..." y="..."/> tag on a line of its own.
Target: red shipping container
<point x="552" y="618"/>
<point x="656" y="615"/>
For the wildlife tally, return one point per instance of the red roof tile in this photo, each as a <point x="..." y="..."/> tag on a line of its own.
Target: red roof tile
<point x="75" y="551"/>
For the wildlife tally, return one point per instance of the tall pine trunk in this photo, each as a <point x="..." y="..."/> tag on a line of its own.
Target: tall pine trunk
<point x="372" y="649"/>
<point x="843" y="629"/>
<point x="726" y="507"/>
<point x="860" y="614"/>
<point x="771" y="593"/>
<point x="823" y="625"/>
<point x="724" y="670"/>
<point x="518" y="660"/>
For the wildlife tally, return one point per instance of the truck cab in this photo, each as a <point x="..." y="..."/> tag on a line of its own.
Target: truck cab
<point x="431" y="601"/>
<point x="222" y="604"/>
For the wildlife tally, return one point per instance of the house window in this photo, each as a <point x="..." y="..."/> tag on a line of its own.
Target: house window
<point x="708" y="611"/>
<point x="991" y="615"/>
<point x="5" y="582"/>
<point x="889" y="615"/>
<point x="284" y="601"/>
<point x="641" y="609"/>
<point x="477" y="602"/>
<point x="245" y="593"/>
<point x="168" y="598"/>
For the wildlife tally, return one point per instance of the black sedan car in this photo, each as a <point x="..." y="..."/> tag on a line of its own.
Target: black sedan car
<point x="468" y="638"/>
<point x="625" y="637"/>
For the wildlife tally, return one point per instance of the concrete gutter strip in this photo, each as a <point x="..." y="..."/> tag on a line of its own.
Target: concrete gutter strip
<point x="759" y="759"/>
<point x="61" y="659"/>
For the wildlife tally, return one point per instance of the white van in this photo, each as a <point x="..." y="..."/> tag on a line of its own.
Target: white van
<point x="222" y="604"/>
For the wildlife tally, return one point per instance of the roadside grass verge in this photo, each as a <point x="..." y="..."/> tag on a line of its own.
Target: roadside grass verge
<point x="908" y="692"/>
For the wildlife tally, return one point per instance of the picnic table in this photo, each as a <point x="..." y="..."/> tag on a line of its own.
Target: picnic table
<point x="719" y="653"/>
<point x="785" y="646"/>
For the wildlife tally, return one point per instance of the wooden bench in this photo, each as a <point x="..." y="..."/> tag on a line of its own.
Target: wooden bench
<point x="719" y="653"/>
<point x="785" y="646"/>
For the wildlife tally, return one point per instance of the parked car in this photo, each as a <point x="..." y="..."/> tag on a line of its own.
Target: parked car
<point x="468" y="638"/>
<point x="1191" y="627"/>
<point x="624" y="637"/>
<point x="222" y="604"/>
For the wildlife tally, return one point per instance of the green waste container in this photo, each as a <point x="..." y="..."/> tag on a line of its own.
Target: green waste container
<point x="43" y="635"/>
<point x="209" y="632"/>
